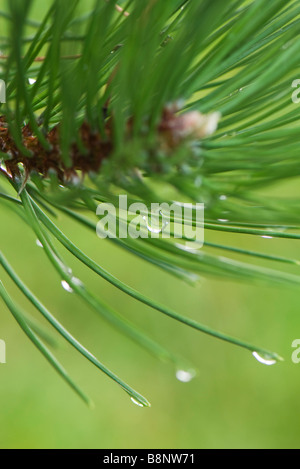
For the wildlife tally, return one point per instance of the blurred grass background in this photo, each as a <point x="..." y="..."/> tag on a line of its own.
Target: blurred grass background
<point x="234" y="402"/>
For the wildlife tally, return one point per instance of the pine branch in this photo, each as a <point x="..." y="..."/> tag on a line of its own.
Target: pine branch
<point x="175" y="100"/>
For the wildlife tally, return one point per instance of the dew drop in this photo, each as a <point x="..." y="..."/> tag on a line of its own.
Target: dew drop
<point x="136" y="402"/>
<point x="264" y="359"/>
<point x="66" y="286"/>
<point x="198" y="181"/>
<point x="192" y="247"/>
<point x="281" y="229"/>
<point x="267" y="237"/>
<point x="223" y="220"/>
<point x="2" y="166"/>
<point x="149" y="228"/>
<point x="223" y="197"/>
<point x="39" y="244"/>
<point x="157" y="230"/>
<point x="65" y="268"/>
<point x="185" y="376"/>
<point x="77" y="282"/>
<point x="31" y="81"/>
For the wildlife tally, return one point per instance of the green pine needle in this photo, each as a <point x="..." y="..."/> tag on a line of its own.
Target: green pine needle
<point x="90" y="94"/>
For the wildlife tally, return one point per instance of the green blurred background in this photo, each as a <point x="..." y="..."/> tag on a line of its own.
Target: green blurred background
<point x="234" y="402"/>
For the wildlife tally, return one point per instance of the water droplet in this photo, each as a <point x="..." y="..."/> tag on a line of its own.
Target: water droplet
<point x="185" y="376"/>
<point x="192" y="247"/>
<point x="282" y="229"/>
<point x="264" y="359"/>
<point x="65" y="268"/>
<point x="136" y="402"/>
<point x="39" y="244"/>
<point x="77" y="282"/>
<point x="66" y="286"/>
<point x="267" y="237"/>
<point x="152" y="230"/>
<point x="31" y="81"/>
<point x="157" y="229"/>
<point x="2" y="166"/>
<point x="223" y="220"/>
<point x="223" y="197"/>
<point x="198" y="181"/>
